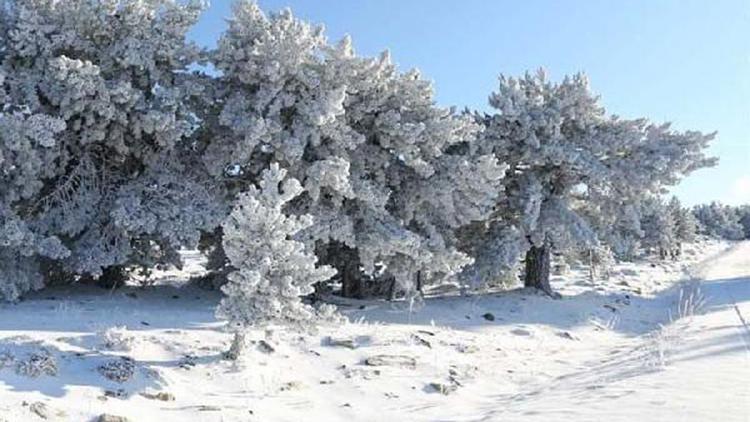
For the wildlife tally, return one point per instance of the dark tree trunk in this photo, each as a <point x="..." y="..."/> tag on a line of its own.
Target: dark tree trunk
<point x="111" y="278"/>
<point x="353" y="284"/>
<point x="392" y="289"/>
<point x="538" y="269"/>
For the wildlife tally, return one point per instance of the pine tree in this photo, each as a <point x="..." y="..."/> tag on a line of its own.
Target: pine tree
<point x="388" y="176"/>
<point x="567" y="157"/>
<point x="686" y="226"/>
<point x="719" y="221"/>
<point x="100" y="108"/>
<point x="659" y="227"/>
<point x="271" y="270"/>
<point x="744" y="215"/>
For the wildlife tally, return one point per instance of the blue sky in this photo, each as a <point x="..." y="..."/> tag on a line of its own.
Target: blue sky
<point x="682" y="61"/>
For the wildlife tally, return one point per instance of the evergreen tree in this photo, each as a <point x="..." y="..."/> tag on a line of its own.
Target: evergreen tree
<point x="659" y="228"/>
<point x="388" y="176"/>
<point x="744" y="215"/>
<point x="567" y="156"/>
<point x="719" y="221"/>
<point x="271" y="271"/>
<point x="686" y="226"/>
<point x="95" y="122"/>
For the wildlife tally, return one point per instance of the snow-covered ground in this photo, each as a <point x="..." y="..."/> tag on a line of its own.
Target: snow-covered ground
<point x="656" y="342"/>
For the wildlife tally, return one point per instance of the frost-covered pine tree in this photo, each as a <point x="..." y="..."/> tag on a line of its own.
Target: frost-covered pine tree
<point x="719" y="221"/>
<point x="28" y="147"/>
<point x="659" y="228"/>
<point x="686" y="225"/>
<point x="566" y="158"/>
<point x="118" y="183"/>
<point x="388" y="176"/>
<point x="271" y="270"/>
<point x="744" y="215"/>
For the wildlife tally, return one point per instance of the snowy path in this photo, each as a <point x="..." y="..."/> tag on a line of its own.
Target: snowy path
<point x="694" y="369"/>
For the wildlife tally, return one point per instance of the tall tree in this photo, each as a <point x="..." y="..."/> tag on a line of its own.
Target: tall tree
<point x="566" y="155"/>
<point x="686" y="226"/>
<point x="659" y="225"/>
<point x="388" y="175"/>
<point x="108" y="79"/>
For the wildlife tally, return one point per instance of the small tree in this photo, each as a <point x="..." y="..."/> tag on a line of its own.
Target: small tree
<point x="744" y="213"/>
<point x="659" y="227"/>
<point x="686" y="226"/>
<point x="720" y="221"/>
<point x="271" y="271"/>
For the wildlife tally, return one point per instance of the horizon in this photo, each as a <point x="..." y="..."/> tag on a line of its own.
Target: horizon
<point x="670" y="61"/>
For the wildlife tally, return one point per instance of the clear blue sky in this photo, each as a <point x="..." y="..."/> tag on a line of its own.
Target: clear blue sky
<point x="682" y="61"/>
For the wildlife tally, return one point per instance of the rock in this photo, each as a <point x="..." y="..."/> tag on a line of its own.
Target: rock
<point x="119" y="370"/>
<point x="38" y="364"/>
<point x="187" y="361"/>
<point x="40" y="409"/>
<point x="291" y="385"/>
<point x="118" y="394"/>
<point x="161" y="396"/>
<point x="610" y="307"/>
<point x="443" y="389"/>
<point x="334" y="342"/>
<point x="520" y="332"/>
<point x="392" y="360"/>
<point x="419" y="340"/>
<point x="208" y="408"/>
<point x="488" y="316"/>
<point x="566" y="335"/>
<point x="112" y="418"/>
<point x="265" y="347"/>
<point x="361" y="373"/>
<point x="467" y="348"/>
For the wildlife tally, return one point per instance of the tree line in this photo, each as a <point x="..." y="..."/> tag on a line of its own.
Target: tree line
<point x="299" y="167"/>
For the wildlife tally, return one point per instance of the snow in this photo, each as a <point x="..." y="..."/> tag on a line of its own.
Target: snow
<point x="657" y="341"/>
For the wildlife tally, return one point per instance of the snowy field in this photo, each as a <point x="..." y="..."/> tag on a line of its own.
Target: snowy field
<point x="656" y="342"/>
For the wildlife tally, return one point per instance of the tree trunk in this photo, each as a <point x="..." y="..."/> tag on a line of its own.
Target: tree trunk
<point x="538" y="269"/>
<point x="237" y="347"/>
<point x="392" y="289"/>
<point x="111" y="278"/>
<point x="353" y="285"/>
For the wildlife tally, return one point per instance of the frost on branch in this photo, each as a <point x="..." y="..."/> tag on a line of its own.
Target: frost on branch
<point x="569" y="162"/>
<point x="94" y="96"/>
<point x="388" y="175"/>
<point x="271" y="270"/>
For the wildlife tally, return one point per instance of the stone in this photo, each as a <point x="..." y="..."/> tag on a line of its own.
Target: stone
<point x="161" y="396"/>
<point x="443" y="389"/>
<point x="112" y="418"/>
<point x="402" y="361"/>
<point x="336" y="342"/>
